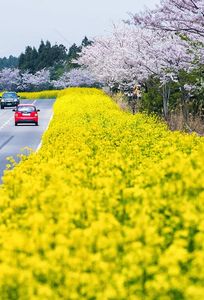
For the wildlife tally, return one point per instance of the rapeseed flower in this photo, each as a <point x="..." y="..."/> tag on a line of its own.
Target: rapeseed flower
<point x="110" y="207"/>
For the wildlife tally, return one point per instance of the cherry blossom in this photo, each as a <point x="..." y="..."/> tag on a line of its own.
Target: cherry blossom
<point x="74" y="78"/>
<point x="10" y="79"/>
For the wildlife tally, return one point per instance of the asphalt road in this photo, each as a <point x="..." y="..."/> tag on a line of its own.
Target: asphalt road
<point x="14" y="138"/>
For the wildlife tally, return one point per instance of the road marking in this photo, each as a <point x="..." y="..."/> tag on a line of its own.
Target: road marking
<point x="6" y="123"/>
<point x="6" y="142"/>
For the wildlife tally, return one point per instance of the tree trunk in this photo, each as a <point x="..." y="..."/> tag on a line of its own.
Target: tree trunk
<point x="133" y="101"/>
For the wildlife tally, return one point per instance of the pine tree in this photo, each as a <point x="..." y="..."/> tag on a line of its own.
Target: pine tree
<point x="86" y="42"/>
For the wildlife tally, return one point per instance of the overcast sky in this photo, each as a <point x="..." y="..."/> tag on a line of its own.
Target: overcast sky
<point x="26" y="22"/>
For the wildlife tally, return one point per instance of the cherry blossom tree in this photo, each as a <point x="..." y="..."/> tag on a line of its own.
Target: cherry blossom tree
<point x="38" y="81"/>
<point x="163" y="43"/>
<point x="13" y="79"/>
<point x="10" y="79"/>
<point x="181" y="16"/>
<point x="75" y="77"/>
<point x="185" y="18"/>
<point x="132" y="54"/>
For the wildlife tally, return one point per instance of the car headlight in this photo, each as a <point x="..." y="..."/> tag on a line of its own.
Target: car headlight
<point x="2" y="100"/>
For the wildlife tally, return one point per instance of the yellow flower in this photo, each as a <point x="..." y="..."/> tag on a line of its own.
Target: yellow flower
<point x="111" y="207"/>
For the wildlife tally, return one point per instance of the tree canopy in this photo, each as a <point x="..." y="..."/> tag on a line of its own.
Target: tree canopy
<point x="51" y="56"/>
<point x="46" y="56"/>
<point x="10" y="62"/>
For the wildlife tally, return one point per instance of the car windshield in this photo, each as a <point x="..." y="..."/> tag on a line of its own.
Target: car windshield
<point x="9" y="95"/>
<point x="26" y="109"/>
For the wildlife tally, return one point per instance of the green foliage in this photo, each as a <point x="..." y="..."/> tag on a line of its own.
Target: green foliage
<point x="180" y="98"/>
<point x="86" y="42"/>
<point x="11" y="62"/>
<point x="74" y="52"/>
<point x="57" y="71"/>
<point x="46" y="56"/>
<point x="152" y="97"/>
<point x="55" y="57"/>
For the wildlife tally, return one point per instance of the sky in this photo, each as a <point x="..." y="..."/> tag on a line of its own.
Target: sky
<point x="27" y="22"/>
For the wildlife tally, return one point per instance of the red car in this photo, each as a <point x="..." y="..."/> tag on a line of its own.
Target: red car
<point x="26" y="113"/>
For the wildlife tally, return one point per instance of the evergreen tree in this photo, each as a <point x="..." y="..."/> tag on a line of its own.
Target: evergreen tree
<point x="55" y="58"/>
<point x="86" y="42"/>
<point x="73" y="54"/>
<point x="10" y="62"/>
<point x="34" y="59"/>
<point x="45" y="57"/>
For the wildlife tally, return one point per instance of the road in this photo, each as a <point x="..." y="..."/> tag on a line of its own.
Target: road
<point x="14" y="138"/>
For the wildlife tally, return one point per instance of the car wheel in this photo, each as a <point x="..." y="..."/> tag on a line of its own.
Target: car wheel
<point x="36" y="123"/>
<point x="16" y="124"/>
<point x="2" y="107"/>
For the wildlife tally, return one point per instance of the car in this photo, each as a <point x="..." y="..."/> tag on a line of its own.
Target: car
<point x="26" y="113"/>
<point x="9" y="99"/>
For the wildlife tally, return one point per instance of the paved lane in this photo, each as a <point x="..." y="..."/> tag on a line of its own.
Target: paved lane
<point x="14" y="138"/>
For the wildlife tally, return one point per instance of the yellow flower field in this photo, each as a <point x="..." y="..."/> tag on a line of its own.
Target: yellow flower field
<point x="111" y="207"/>
<point x="40" y="95"/>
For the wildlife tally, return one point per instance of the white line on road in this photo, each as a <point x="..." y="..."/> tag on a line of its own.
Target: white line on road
<point x="6" y="123"/>
<point x="6" y="142"/>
